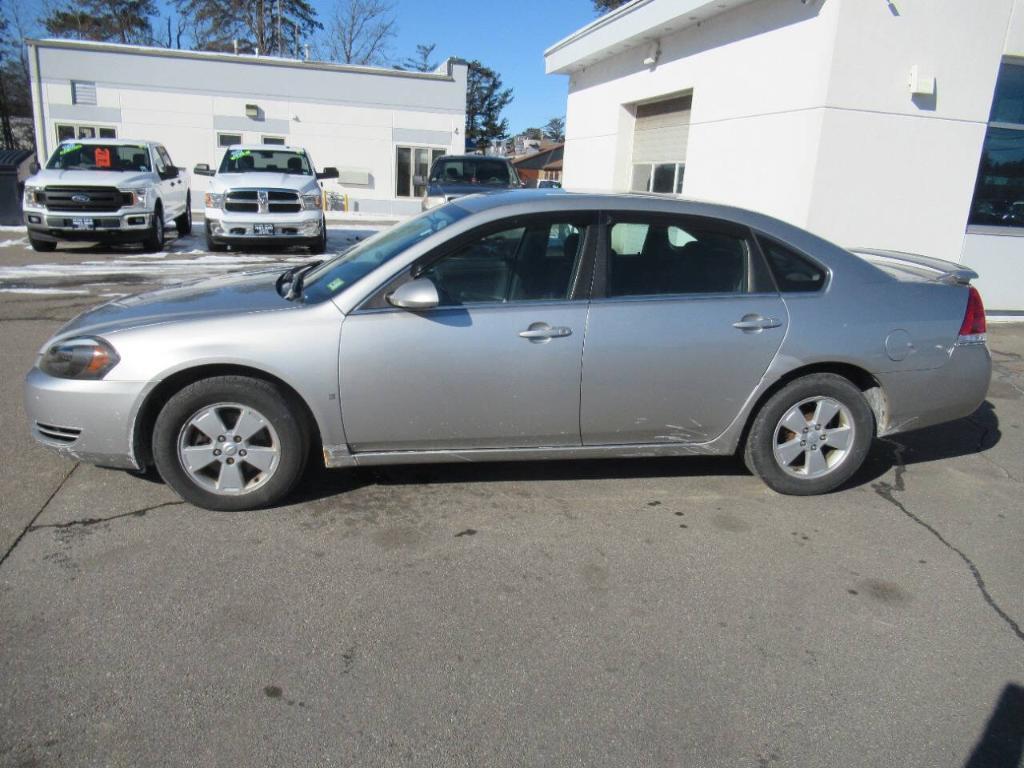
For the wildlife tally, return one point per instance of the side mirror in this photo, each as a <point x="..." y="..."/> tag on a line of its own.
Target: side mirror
<point x="328" y="173"/>
<point x="416" y="294"/>
<point x="170" y="172"/>
<point x="202" y="169"/>
<point x="419" y="181"/>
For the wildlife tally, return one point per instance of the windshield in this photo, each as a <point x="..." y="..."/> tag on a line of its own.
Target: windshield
<point x="266" y="160"/>
<point x="472" y="171"/>
<point x="73" y="156"/>
<point x="332" y="277"/>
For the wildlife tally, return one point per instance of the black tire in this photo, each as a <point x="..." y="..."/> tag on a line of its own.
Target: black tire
<point x="319" y="245"/>
<point x="184" y="222"/>
<point x="275" y="406"/>
<point x="157" y="235"/>
<point x="759" y="450"/>
<point x="42" y="246"/>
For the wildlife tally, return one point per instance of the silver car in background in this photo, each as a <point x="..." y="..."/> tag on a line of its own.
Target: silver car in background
<point x="526" y="325"/>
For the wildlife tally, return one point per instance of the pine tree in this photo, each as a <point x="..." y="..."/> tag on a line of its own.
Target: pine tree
<point x="603" y="6"/>
<point x="555" y="129"/>
<point x="271" y="27"/>
<point x="115" y="21"/>
<point x="485" y="100"/>
<point x="420" y="62"/>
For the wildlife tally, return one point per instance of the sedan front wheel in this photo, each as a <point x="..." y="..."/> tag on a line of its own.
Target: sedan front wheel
<point x="230" y="443"/>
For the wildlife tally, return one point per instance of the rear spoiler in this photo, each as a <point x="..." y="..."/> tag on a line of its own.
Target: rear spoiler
<point x="936" y="270"/>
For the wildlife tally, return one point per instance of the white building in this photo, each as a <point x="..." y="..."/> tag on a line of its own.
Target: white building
<point x="865" y="121"/>
<point x="379" y="127"/>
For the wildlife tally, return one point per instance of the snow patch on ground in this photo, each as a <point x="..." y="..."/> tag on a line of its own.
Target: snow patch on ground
<point x="73" y="291"/>
<point x="22" y="241"/>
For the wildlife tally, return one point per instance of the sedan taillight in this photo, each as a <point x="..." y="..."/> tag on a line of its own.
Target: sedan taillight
<point x="973" y="328"/>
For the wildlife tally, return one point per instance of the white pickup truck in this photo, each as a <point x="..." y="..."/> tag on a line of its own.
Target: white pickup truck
<point x="107" y="191"/>
<point x="264" y="195"/>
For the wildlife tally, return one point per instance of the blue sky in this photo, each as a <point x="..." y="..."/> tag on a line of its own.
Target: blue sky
<point x="509" y="37"/>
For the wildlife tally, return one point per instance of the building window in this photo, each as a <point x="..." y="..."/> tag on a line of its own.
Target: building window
<point x="83" y="92"/>
<point x="660" y="135"/>
<point x="66" y="132"/>
<point x="276" y="140"/>
<point x="999" y="191"/>
<point x="411" y="162"/>
<point x="228" y="139"/>
<point x="665" y="178"/>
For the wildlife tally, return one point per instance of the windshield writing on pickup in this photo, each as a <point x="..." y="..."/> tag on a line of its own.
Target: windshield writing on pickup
<point x="72" y="156"/>
<point x="265" y="161"/>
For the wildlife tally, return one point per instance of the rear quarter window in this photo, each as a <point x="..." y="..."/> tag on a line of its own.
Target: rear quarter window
<point x="793" y="272"/>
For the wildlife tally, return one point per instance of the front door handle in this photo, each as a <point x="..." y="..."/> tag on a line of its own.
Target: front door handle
<point x="756" y="323"/>
<point x="544" y="332"/>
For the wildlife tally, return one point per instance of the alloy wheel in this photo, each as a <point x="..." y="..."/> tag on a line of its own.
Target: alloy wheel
<point x="229" y="449"/>
<point x="814" y="437"/>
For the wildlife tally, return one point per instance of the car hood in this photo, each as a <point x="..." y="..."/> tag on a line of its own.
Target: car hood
<point x="236" y="294"/>
<point x="92" y="178"/>
<point x="262" y="179"/>
<point x="457" y="189"/>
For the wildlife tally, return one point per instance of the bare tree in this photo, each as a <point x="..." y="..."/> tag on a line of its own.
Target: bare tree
<point x="361" y="31"/>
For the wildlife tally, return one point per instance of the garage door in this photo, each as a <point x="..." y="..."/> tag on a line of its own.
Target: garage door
<point x="659" y="145"/>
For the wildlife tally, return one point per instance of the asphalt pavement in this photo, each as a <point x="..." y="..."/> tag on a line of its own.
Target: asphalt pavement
<point x="595" y="613"/>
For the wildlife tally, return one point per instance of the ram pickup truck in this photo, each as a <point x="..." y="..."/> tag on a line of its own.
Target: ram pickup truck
<point x="453" y="176"/>
<point x="107" y="191"/>
<point x="264" y="195"/>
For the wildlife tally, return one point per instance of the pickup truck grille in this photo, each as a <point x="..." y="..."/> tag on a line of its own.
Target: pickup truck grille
<point x="262" y="201"/>
<point x="85" y="199"/>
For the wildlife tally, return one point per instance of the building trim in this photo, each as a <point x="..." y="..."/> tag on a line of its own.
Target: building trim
<point x="83" y="113"/>
<point x="242" y="58"/>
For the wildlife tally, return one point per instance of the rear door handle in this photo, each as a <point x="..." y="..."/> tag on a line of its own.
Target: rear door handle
<point x="543" y="332"/>
<point x="756" y="323"/>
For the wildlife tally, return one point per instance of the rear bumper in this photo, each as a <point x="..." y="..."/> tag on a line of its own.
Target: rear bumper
<point x="916" y="399"/>
<point x="88" y="421"/>
<point x="50" y="226"/>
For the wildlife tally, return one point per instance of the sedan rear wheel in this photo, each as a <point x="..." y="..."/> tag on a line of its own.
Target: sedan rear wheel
<point x="230" y="443"/>
<point x="810" y="436"/>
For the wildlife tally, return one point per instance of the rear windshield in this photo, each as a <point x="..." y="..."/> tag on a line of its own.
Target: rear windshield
<point x="73" y="156"/>
<point x="264" y="160"/>
<point x="472" y="171"/>
<point x="334" y="276"/>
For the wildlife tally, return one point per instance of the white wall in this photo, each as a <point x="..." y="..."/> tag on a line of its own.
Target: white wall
<point x="805" y="112"/>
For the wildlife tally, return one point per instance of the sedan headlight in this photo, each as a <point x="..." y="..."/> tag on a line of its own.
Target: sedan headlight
<point x="432" y="201"/>
<point x="138" y="197"/>
<point x="86" y="357"/>
<point x="214" y="199"/>
<point x="34" y="197"/>
<point x="312" y="202"/>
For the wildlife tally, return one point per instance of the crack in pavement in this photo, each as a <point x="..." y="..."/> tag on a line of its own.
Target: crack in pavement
<point x="87" y="521"/>
<point x="887" y="491"/>
<point x="37" y="514"/>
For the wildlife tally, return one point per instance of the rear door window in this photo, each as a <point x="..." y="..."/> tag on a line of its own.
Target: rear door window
<point x="680" y="256"/>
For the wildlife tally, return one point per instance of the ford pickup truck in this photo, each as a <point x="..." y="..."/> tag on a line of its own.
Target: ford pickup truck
<point x="107" y="191"/>
<point x="265" y="195"/>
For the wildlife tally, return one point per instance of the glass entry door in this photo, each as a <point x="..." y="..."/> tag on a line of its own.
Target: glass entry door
<point x="411" y="162"/>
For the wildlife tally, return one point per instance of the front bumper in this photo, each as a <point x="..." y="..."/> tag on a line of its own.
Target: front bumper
<point x="916" y="399"/>
<point x="90" y="421"/>
<point x="234" y="227"/>
<point x="121" y="226"/>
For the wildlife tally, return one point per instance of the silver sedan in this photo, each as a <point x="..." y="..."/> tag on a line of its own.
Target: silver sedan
<point x="523" y="325"/>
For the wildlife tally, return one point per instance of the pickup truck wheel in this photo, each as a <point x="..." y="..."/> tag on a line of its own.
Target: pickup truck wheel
<point x="184" y="222"/>
<point x="811" y="436"/>
<point x="42" y="246"/>
<point x="155" y="238"/>
<point x="211" y="244"/>
<point x="230" y="443"/>
<point x="319" y="245"/>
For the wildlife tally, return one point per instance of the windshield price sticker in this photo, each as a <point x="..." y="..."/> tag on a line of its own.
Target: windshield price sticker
<point x="102" y="157"/>
<point x="240" y="153"/>
<point x="69" y="148"/>
<point x="335" y="284"/>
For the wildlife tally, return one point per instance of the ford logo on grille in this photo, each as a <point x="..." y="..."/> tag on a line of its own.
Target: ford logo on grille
<point x="81" y="198"/>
